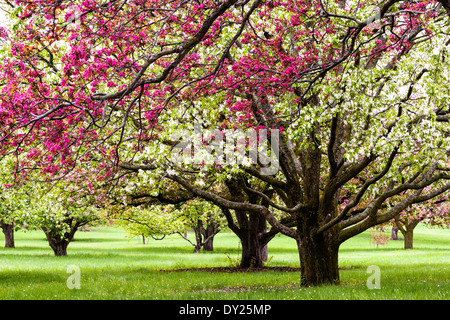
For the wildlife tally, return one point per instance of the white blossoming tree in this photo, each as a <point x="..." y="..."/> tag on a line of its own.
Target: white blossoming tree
<point x="59" y="211"/>
<point x="14" y="200"/>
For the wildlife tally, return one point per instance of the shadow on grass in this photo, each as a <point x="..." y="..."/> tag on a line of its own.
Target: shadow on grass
<point x="9" y="277"/>
<point x="390" y="249"/>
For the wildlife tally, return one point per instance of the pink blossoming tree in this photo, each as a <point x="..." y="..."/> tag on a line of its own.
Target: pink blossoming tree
<point x="434" y="212"/>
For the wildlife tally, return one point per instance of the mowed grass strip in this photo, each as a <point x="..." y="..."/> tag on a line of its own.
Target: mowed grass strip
<point x="113" y="266"/>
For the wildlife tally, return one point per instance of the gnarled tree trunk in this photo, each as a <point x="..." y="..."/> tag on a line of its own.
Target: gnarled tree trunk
<point x="253" y="235"/>
<point x="57" y="242"/>
<point x="8" y="231"/>
<point x="407" y="229"/>
<point x="318" y="254"/>
<point x="208" y="234"/>
<point x="251" y="228"/>
<point x="254" y="246"/>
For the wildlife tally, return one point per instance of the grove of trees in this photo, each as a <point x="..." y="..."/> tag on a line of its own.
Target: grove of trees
<point x="124" y="108"/>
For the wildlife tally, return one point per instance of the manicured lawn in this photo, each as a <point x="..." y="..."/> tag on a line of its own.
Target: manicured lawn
<point x="115" y="267"/>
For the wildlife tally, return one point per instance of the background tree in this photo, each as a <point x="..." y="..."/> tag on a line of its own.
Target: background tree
<point x="9" y="205"/>
<point x="250" y="227"/>
<point x="155" y="221"/>
<point x="379" y="236"/>
<point x="433" y="213"/>
<point x="162" y="219"/>
<point x="13" y="201"/>
<point x="59" y="212"/>
<point x="204" y="219"/>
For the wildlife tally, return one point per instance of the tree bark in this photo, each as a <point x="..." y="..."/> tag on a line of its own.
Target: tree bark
<point x="394" y="234"/>
<point x="318" y="254"/>
<point x="8" y="230"/>
<point x="254" y="246"/>
<point x="198" y="237"/>
<point x="208" y="235"/>
<point x="407" y="229"/>
<point x="409" y="235"/>
<point x="318" y="262"/>
<point x="59" y="242"/>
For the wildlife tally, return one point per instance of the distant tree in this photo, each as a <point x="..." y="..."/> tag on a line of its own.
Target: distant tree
<point x="59" y="212"/>
<point x="205" y="219"/>
<point x="155" y="221"/>
<point x="433" y="213"/>
<point x="13" y="201"/>
<point x="379" y="236"/>
<point x="159" y="220"/>
<point x="394" y="232"/>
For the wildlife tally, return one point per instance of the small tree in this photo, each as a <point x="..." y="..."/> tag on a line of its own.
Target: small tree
<point x="159" y="220"/>
<point x="155" y="221"/>
<point x="59" y="213"/>
<point x="204" y="218"/>
<point x="13" y="199"/>
<point x="379" y="237"/>
<point x="434" y="213"/>
<point x="7" y="217"/>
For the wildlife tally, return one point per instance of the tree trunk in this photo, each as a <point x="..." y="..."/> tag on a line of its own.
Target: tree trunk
<point x="407" y="229"/>
<point x="59" y="246"/>
<point x="198" y="240"/>
<point x="394" y="233"/>
<point x="409" y="238"/>
<point x="197" y="248"/>
<point x="8" y="230"/>
<point x="209" y="245"/>
<point x="198" y="237"/>
<point x="251" y="228"/>
<point x="252" y="254"/>
<point x="253" y="236"/>
<point x="254" y="249"/>
<point x="57" y="242"/>
<point x="208" y="235"/>
<point x="318" y="252"/>
<point x="264" y="253"/>
<point x="318" y="261"/>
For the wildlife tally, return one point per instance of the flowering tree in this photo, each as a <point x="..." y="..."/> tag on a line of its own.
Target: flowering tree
<point x="160" y="220"/>
<point x="13" y="200"/>
<point x="379" y="236"/>
<point x="357" y="94"/>
<point x="59" y="210"/>
<point x="156" y="221"/>
<point x="434" y="212"/>
<point x="147" y="189"/>
<point x="204" y="219"/>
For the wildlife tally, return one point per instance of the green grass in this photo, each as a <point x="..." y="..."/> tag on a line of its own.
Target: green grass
<point x="115" y="267"/>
